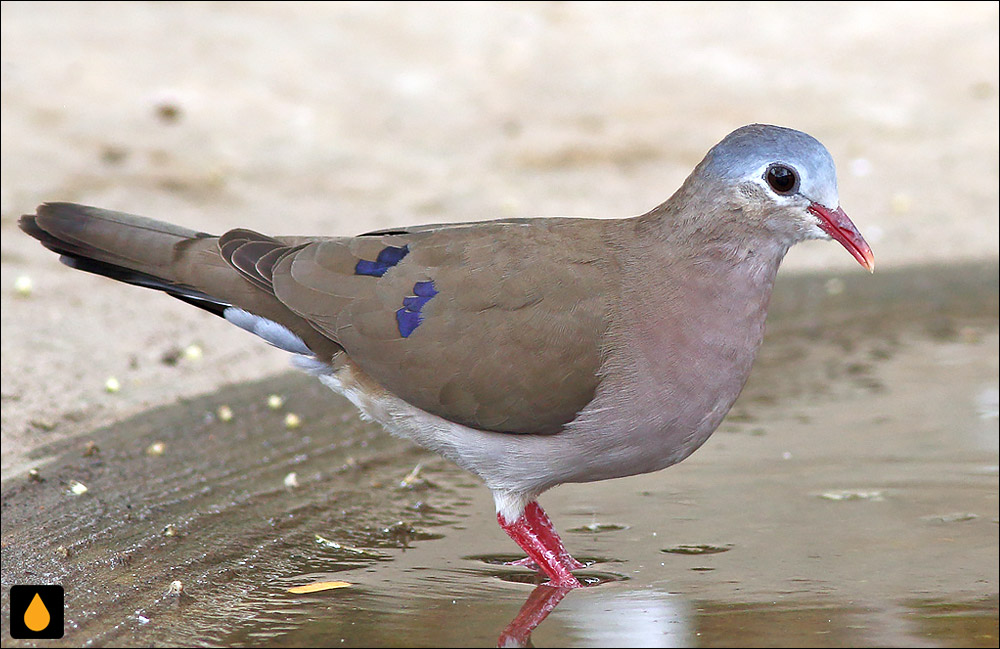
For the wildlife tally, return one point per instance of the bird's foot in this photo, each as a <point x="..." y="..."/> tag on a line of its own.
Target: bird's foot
<point x="526" y="562"/>
<point x="533" y="531"/>
<point x="529" y="563"/>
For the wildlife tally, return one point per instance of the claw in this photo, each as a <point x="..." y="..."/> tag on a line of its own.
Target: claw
<point x="526" y="562"/>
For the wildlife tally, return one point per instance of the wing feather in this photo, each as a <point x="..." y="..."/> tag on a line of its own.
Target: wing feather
<point x="508" y="326"/>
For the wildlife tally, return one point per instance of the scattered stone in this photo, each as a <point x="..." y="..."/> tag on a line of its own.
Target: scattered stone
<point x="193" y="353"/>
<point x="77" y="488"/>
<point x="23" y="286"/>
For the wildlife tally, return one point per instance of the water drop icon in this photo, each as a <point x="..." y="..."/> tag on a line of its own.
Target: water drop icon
<point x="37" y="616"/>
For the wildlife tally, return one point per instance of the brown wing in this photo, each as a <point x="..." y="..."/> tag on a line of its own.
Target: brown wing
<point x="496" y="326"/>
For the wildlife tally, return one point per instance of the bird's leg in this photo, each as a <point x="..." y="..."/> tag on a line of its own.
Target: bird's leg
<point x="533" y="531"/>
<point x="539" y="604"/>
<point x="543" y="526"/>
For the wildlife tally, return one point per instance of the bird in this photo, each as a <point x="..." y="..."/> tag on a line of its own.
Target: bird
<point x="531" y="352"/>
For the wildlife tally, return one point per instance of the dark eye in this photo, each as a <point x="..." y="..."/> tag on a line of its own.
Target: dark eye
<point x="782" y="179"/>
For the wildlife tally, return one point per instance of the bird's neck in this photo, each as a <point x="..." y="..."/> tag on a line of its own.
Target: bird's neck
<point x="699" y="300"/>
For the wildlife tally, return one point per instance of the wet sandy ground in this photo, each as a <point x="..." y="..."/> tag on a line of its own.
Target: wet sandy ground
<point x="850" y="498"/>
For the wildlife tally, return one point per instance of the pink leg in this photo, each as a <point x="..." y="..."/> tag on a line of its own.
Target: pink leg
<point x="539" y="604"/>
<point x="541" y="522"/>
<point x="533" y="531"/>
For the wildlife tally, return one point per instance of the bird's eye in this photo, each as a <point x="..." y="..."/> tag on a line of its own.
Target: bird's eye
<point x="782" y="179"/>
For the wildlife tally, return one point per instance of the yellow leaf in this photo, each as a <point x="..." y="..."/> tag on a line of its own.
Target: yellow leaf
<point x="318" y="587"/>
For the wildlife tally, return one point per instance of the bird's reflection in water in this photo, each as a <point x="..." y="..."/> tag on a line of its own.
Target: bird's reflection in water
<point x="544" y="597"/>
<point x="539" y="604"/>
<point x="608" y="618"/>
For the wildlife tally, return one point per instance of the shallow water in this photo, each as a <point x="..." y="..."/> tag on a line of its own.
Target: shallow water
<point x="850" y="498"/>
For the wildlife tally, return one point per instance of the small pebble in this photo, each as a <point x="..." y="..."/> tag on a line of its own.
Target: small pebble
<point x="169" y="530"/>
<point x="275" y="401"/>
<point x="175" y="589"/>
<point x="35" y="476"/>
<point x="224" y="413"/>
<point x="168" y="106"/>
<point x="156" y="448"/>
<point x="23" y="286"/>
<point x="292" y="480"/>
<point x="193" y="353"/>
<point x="77" y="488"/>
<point x="292" y="420"/>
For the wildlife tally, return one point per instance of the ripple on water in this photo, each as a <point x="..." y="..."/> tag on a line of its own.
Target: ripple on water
<point x="519" y="575"/>
<point x="698" y="548"/>
<point x="598" y="528"/>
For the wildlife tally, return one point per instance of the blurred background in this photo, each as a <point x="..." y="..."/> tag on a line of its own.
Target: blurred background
<point x="311" y="118"/>
<point x="316" y="118"/>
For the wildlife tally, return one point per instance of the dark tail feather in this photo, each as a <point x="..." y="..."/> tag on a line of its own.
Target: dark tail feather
<point x="185" y="264"/>
<point x="123" y="247"/>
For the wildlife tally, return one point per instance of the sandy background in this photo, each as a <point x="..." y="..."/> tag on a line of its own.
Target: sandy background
<point x="311" y="118"/>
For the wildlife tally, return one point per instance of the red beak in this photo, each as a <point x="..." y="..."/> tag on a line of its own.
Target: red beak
<point x="837" y="224"/>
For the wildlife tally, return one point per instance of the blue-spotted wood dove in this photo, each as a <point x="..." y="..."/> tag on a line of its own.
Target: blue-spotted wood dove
<point x="531" y="352"/>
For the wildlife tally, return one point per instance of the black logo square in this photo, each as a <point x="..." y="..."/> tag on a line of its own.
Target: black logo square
<point x="36" y="612"/>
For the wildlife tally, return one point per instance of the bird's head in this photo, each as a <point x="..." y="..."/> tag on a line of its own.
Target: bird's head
<point x="784" y="182"/>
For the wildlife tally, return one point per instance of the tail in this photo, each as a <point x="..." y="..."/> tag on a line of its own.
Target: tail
<point x="124" y="247"/>
<point x="183" y="263"/>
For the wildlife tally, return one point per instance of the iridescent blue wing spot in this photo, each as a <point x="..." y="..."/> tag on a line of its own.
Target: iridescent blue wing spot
<point x="425" y="289"/>
<point x="408" y="318"/>
<point x="387" y="258"/>
<point x="407" y="321"/>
